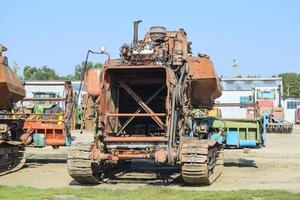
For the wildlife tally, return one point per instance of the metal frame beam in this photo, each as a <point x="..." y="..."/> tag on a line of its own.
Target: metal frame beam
<point x="135" y="114"/>
<point x="142" y="104"/>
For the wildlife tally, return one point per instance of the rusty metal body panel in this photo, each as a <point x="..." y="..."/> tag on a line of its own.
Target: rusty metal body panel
<point x="11" y="88"/>
<point x="204" y="78"/>
<point x="92" y="82"/>
<point x="87" y="120"/>
<point x="12" y="156"/>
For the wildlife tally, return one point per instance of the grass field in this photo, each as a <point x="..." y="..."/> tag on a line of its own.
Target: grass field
<point x="145" y="193"/>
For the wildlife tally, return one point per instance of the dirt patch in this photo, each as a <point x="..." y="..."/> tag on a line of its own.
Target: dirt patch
<point x="274" y="167"/>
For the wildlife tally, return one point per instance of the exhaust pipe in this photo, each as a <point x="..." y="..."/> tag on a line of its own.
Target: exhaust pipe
<point x="136" y="32"/>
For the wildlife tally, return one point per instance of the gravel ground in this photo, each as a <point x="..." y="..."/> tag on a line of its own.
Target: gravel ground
<point x="275" y="167"/>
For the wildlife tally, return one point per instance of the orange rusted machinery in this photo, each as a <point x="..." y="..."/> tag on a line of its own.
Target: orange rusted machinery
<point x="152" y="103"/>
<point x="19" y="128"/>
<point x="12" y="156"/>
<point x="48" y="121"/>
<point x="90" y="82"/>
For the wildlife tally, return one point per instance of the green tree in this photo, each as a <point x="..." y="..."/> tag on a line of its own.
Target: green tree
<point x="48" y="73"/>
<point x="69" y="77"/>
<point x="79" y="68"/>
<point x="29" y="73"/>
<point x="291" y="84"/>
<point x="43" y="73"/>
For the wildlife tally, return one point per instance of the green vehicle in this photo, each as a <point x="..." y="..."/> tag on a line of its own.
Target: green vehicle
<point x="45" y="106"/>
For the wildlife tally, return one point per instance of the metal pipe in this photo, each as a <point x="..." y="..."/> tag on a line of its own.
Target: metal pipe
<point x="136" y="32"/>
<point x="134" y="156"/>
<point x="85" y="69"/>
<point x="59" y="128"/>
<point x="43" y="120"/>
<point x="130" y="155"/>
<point x="135" y="114"/>
<point x="279" y="94"/>
<point x="28" y="114"/>
<point x="43" y="99"/>
<point x="136" y="139"/>
<point x="44" y="84"/>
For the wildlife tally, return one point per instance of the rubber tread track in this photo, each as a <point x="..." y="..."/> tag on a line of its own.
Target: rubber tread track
<point x="12" y="158"/>
<point x="80" y="166"/>
<point x="201" y="164"/>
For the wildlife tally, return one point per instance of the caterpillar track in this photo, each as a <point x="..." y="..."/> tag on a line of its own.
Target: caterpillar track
<point x="80" y="165"/>
<point x="12" y="156"/>
<point x="201" y="163"/>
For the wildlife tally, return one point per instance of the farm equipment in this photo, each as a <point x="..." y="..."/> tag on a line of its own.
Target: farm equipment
<point x="276" y="123"/>
<point x="152" y="103"/>
<point x="47" y="118"/>
<point x="267" y="106"/>
<point x="44" y="124"/>
<point x="12" y="152"/>
<point x="263" y="105"/>
<point x="241" y="133"/>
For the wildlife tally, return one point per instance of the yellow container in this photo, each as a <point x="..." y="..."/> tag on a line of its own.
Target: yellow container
<point x="60" y="117"/>
<point x="214" y="112"/>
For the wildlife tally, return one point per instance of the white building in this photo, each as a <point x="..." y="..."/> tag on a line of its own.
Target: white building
<point x="48" y="86"/>
<point x="247" y="90"/>
<point x="290" y="105"/>
<point x="56" y="87"/>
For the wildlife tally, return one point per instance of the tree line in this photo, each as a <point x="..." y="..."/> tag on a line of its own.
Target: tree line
<point x="31" y="73"/>
<point x="291" y="84"/>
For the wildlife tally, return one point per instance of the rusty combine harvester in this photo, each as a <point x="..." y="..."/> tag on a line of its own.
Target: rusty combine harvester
<point x="12" y="152"/>
<point x="152" y="103"/>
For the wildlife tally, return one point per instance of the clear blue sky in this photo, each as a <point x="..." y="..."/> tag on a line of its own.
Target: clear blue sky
<point x="263" y="35"/>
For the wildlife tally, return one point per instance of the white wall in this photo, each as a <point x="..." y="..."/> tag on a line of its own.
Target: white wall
<point x="233" y="97"/>
<point x="289" y="114"/>
<point x="57" y="89"/>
